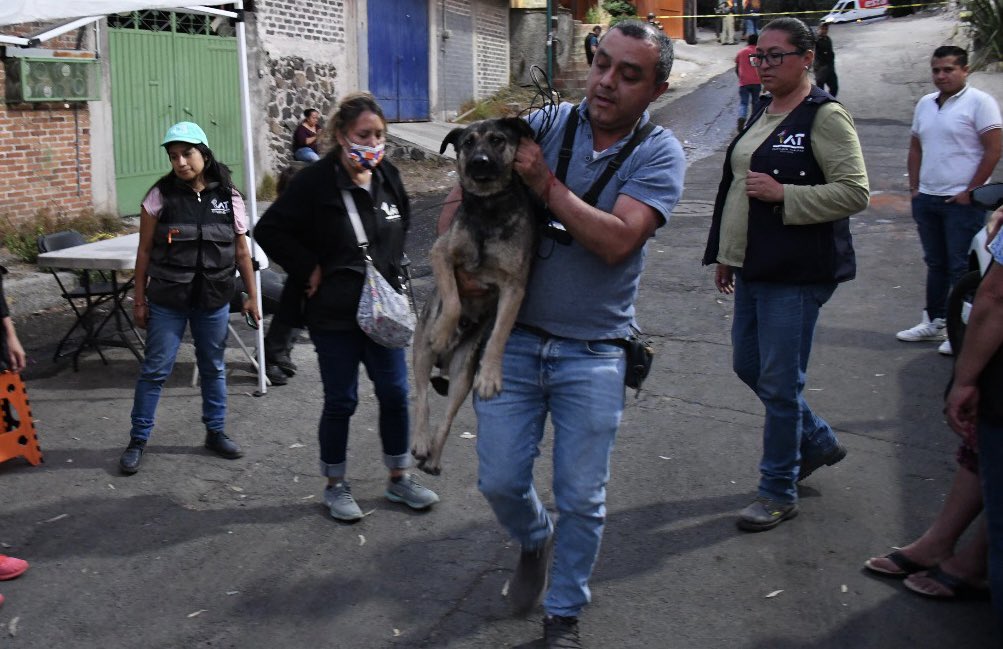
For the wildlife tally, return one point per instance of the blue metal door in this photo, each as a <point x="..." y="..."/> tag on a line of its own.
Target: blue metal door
<point x="398" y="58"/>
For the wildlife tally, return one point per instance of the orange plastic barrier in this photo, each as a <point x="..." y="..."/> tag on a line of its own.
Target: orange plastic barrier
<point x="18" y="438"/>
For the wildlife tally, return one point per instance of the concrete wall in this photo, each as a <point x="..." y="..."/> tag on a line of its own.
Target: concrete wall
<point x="528" y="42"/>
<point x="45" y="150"/>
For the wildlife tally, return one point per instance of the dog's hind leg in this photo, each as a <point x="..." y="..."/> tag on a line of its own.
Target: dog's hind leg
<point x="461" y="377"/>
<point x="422" y="361"/>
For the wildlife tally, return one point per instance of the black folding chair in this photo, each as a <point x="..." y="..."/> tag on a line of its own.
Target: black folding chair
<point x="85" y="298"/>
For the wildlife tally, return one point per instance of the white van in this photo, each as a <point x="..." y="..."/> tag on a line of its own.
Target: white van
<point x="847" y="11"/>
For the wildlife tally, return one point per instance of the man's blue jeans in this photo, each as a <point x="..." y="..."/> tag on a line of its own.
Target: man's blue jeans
<point x="946" y="231"/>
<point x="990" y="463"/>
<point x="771" y="338"/>
<point x="747" y="97"/>
<point x="164" y="331"/>
<point x="338" y="355"/>
<point x="306" y="154"/>
<point x="581" y="385"/>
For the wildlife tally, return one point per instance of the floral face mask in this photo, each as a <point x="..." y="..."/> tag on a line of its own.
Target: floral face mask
<point x="365" y="157"/>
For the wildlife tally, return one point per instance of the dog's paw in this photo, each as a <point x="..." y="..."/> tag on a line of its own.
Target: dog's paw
<point x="429" y="467"/>
<point x="488" y="383"/>
<point x="420" y="451"/>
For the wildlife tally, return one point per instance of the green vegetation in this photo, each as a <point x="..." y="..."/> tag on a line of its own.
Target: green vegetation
<point x="21" y="237"/>
<point x="986" y="20"/>
<point x="596" y="15"/>
<point x="619" y="11"/>
<point x="507" y="102"/>
<point x="267" y="188"/>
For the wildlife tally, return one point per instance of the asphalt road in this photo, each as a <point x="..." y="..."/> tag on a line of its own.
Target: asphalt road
<point x="195" y="551"/>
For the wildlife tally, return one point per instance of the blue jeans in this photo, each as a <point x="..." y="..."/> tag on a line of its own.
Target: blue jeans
<point x="338" y="355"/>
<point x="164" y="331"/>
<point x="747" y="97"/>
<point x="306" y="154"/>
<point x="581" y="385"/>
<point x="990" y="461"/>
<point x="771" y="338"/>
<point x="946" y="231"/>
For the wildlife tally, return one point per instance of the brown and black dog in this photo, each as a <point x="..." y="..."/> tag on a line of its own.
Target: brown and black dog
<point x="492" y="238"/>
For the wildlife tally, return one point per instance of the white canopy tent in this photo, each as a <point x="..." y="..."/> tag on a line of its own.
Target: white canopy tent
<point x="76" y="14"/>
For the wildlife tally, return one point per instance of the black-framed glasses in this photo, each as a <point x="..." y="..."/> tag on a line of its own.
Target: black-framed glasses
<point x="775" y="58"/>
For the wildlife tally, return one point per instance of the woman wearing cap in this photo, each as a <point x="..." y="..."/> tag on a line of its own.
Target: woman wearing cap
<point x="191" y="238"/>
<point x="308" y="232"/>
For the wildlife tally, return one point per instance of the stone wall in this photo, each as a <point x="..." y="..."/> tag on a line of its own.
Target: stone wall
<point x="45" y="151"/>
<point x="295" y="85"/>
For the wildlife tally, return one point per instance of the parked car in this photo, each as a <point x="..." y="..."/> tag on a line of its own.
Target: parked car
<point x="847" y="11"/>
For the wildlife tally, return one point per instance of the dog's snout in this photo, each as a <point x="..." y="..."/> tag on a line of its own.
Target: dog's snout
<point x="480" y="165"/>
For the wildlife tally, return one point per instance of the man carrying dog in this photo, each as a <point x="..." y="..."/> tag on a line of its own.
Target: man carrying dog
<point x="563" y="357"/>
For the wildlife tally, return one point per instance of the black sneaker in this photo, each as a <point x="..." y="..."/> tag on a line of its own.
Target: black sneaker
<point x="811" y="466"/>
<point x="276" y="375"/>
<point x="561" y="633"/>
<point x="132" y="456"/>
<point x="531" y="577"/>
<point x="286" y="364"/>
<point x="765" y="514"/>
<point x="217" y="442"/>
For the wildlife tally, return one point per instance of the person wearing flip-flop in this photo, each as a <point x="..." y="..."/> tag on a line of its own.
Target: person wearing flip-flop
<point x="930" y="565"/>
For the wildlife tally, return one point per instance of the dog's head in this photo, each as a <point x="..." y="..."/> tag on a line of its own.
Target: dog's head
<point x="485" y="152"/>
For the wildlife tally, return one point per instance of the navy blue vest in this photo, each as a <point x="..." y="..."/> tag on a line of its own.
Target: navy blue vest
<point x="795" y="254"/>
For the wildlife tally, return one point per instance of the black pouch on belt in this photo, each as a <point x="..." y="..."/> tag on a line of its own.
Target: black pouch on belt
<point x="639" y="355"/>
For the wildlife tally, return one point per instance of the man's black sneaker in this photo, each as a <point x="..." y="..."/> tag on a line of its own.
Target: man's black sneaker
<point x="132" y="456"/>
<point x="810" y="466"/>
<point x="217" y="442"/>
<point x="561" y="633"/>
<point x="276" y="375"/>
<point x="286" y="364"/>
<point x="531" y="577"/>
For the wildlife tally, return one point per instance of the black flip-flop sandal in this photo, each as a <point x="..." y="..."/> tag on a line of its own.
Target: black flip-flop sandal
<point x="960" y="589"/>
<point x="906" y="566"/>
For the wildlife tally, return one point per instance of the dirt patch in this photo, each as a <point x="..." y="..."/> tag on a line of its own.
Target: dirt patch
<point x="427" y="176"/>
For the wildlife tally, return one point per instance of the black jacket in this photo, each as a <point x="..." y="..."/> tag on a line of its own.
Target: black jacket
<point x="308" y="226"/>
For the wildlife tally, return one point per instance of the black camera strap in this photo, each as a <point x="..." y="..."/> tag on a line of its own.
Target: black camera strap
<point x="564" y="157"/>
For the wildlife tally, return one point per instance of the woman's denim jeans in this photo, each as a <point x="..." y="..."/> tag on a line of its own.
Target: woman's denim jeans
<point x="771" y="339"/>
<point x="581" y="385"/>
<point x="990" y="461"/>
<point x="339" y="354"/>
<point x="306" y="154"/>
<point x="946" y="231"/>
<point x="164" y="331"/>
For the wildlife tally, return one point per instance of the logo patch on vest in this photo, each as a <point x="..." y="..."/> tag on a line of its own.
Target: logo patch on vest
<point x="219" y="207"/>
<point x="390" y="211"/>
<point x="789" y="142"/>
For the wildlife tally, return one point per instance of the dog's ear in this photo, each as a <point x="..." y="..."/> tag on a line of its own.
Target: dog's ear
<point x="520" y="126"/>
<point x="451" y="138"/>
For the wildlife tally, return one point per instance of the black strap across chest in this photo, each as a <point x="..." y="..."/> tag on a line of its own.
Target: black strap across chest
<point x="564" y="157"/>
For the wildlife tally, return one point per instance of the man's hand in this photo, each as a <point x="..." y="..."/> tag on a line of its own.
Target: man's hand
<point x="532" y="168"/>
<point x="961" y="409"/>
<point x="762" y="186"/>
<point x="961" y="198"/>
<point x="251" y="307"/>
<point x="468" y="286"/>
<point x="141" y="314"/>
<point x="313" y="282"/>
<point x="16" y="358"/>
<point x="724" y="279"/>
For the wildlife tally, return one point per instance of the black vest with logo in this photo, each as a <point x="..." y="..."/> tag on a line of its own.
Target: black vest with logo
<point x="193" y="260"/>
<point x="775" y="252"/>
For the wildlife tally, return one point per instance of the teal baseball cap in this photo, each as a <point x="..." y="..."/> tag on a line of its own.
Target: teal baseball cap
<point x="185" y="132"/>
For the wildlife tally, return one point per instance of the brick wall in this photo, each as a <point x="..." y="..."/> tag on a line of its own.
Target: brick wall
<point x="310" y="20"/>
<point x="491" y="44"/>
<point x="44" y="151"/>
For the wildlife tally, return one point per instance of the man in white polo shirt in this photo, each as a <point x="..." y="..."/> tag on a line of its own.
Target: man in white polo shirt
<point x="956" y="135"/>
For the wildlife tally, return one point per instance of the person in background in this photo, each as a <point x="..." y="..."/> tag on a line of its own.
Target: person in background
<point x="592" y="43"/>
<point x="308" y="232"/>
<point x="305" y="139"/>
<point x="727" y="13"/>
<point x="955" y="144"/>
<point x="192" y="239"/>
<point x="751" y="18"/>
<point x="825" y="61"/>
<point x="780" y="239"/>
<point x="748" y="80"/>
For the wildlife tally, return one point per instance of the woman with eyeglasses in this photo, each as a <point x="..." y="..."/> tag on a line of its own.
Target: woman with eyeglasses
<point x="780" y="239"/>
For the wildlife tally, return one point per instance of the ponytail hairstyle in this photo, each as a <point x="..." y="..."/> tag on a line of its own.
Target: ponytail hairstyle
<point x="348" y="111"/>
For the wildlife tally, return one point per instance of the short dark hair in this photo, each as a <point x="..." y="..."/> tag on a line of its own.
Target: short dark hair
<point x="308" y="112"/>
<point x="288" y="174"/>
<point x="597" y="28"/>
<point x="960" y="54"/>
<point x="645" y="31"/>
<point x="798" y="33"/>
<point x="752" y="39"/>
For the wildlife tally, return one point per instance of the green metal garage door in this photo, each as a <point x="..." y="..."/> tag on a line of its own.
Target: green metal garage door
<point x="165" y="68"/>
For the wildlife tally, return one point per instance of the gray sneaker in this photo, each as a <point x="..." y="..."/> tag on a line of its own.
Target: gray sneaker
<point x="408" y="491"/>
<point x="338" y="498"/>
<point x="765" y="514"/>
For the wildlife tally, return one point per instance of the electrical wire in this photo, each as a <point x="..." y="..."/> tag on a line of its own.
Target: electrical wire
<point x="542" y="110"/>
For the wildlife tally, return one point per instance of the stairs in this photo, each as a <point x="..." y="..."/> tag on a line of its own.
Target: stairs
<point x="570" y="78"/>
